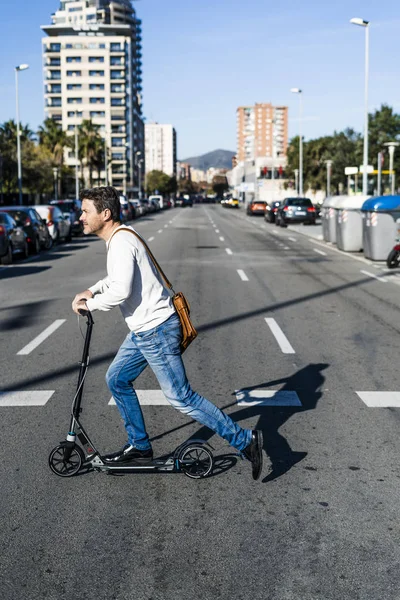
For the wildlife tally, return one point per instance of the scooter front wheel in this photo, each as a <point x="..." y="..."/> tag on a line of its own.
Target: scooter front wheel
<point x="65" y="462"/>
<point x="196" y="461"/>
<point x="393" y="260"/>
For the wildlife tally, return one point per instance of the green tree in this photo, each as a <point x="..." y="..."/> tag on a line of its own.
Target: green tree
<point x="55" y="140"/>
<point x="90" y="147"/>
<point x="8" y="153"/>
<point x="157" y="181"/>
<point x="220" y="185"/>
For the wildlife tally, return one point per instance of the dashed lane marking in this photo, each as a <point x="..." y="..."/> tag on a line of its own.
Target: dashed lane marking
<point x="148" y="398"/>
<point x="260" y="397"/>
<point x="380" y="399"/>
<point x="292" y="239"/>
<point x="228" y="251"/>
<point x="242" y="275"/>
<point x="25" y="398"/>
<point x="150" y="239"/>
<point x="222" y="239"/>
<point x="217" y="231"/>
<point x="159" y="231"/>
<point x="40" y="338"/>
<point x="321" y="252"/>
<point x="280" y="337"/>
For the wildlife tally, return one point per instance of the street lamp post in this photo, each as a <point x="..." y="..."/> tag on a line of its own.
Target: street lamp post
<point x="140" y="178"/>
<point x="365" y="24"/>
<point x="55" y="173"/>
<point x="138" y="165"/>
<point x="300" y="92"/>
<point x="379" y="184"/>
<point x="391" y="147"/>
<point x="76" y="159"/>
<point x="105" y="160"/>
<point x="328" y="176"/>
<point x="17" y="70"/>
<point x="296" y="181"/>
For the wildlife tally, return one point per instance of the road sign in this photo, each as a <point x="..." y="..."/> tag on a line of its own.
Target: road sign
<point x="351" y="171"/>
<point x="370" y="169"/>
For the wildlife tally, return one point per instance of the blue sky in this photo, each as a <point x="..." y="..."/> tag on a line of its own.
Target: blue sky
<point x="202" y="59"/>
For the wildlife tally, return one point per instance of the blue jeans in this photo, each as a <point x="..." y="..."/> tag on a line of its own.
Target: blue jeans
<point x="159" y="348"/>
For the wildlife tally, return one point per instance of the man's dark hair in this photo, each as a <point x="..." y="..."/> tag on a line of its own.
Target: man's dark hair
<point x="104" y="197"/>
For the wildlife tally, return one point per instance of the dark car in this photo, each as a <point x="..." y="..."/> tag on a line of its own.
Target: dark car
<point x="71" y="208"/>
<point x="12" y="239"/>
<point x="37" y="232"/>
<point x="256" y="207"/>
<point x="296" y="210"/>
<point x="271" y="210"/>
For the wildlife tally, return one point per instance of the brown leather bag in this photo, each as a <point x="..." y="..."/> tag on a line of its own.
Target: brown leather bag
<point x="179" y="301"/>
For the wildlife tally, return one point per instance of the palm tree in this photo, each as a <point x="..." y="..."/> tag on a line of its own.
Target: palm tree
<point x="8" y="152"/>
<point x="91" y="146"/>
<point x="52" y="137"/>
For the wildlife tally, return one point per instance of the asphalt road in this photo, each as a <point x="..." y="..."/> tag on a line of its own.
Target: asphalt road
<point x="276" y="310"/>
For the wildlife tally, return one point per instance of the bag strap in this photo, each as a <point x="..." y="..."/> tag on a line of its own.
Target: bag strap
<point x="149" y="252"/>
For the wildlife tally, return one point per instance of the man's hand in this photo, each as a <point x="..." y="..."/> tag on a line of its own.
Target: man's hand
<point x="79" y="303"/>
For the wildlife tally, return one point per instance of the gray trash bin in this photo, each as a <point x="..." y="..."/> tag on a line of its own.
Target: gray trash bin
<point x="379" y="226"/>
<point x="349" y="228"/>
<point x="328" y="217"/>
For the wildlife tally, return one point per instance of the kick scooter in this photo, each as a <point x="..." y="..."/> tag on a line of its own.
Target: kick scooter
<point x="193" y="457"/>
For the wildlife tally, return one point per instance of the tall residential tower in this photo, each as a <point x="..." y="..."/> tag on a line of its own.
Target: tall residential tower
<point x="93" y="70"/>
<point x="262" y="131"/>
<point x="160" y="144"/>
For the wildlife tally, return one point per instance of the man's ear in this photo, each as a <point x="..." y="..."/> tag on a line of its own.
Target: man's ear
<point x="107" y="214"/>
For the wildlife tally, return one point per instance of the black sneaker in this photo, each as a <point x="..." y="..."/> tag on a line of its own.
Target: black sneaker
<point x="128" y="454"/>
<point x="253" y="452"/>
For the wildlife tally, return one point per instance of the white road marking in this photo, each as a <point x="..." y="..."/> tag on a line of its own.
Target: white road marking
<point x="242" y="275"/>
<point x="165" y="226"/>
<point x="380" y="399"/>
<point x="25" y="398"/>
<point x="40" y="338"/>
<point x="148" y="398"/>
<point x="159" y="231"/>
<point x="293" y="239"/>
<point x="320" y="252"/>
<point x="228" y="251"/>
<point x="280" y="337"/>
<point x="286" y="248"/>
<point x="262" y="397"/>
<point x="374" y="276"/>
<point x="222" y="239"/>
<point x="150" y="239"/>
<point x="170" y="222"/>
<point x="217" y="231"/>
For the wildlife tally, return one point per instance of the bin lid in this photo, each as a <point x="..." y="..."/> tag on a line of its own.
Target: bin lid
<point x="382" y="204"/>
<point x="351" y="202"/>
<point x="331" y="201"/>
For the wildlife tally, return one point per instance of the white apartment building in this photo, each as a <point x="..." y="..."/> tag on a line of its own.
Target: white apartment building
<point x="93" y="70"/>
<point x="160" y="148"/>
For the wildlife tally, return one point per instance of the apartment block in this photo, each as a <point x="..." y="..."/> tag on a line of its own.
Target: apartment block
<point x="262" y="131"/>
<point x="160" y="148"/>
<point x="92" y="59"/>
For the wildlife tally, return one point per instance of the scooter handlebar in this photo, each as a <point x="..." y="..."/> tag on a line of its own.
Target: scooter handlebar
<point x="86" y="313"/>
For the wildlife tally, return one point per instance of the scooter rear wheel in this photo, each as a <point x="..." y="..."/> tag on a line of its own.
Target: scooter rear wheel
<point x="393" y="260"/>
<point x="196" y="461"/>
<point x="65" y="462"/>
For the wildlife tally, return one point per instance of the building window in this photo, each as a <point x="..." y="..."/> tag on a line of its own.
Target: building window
<point x="74" y="59"/>
<point x="57" y="117"/>
<point x="75" y="9"/>
<point x="54" y="48"/>
<point x="54" y="101"/>
<point x="117" y="87"/>
<point x="117" y="156"/>
<point x="54" y="75"/>
<point x="96" y="86"/>
<point x="55" y="88"/>
<point x="117" y="129"/>
<point x="55" y="62"/>
<point x="117" y="118"/>
<point x="96" y="73"/>
<point x="117" y="141"/>
<point x="116" y="60"/>
<point x="71" y="127"/>
<point x="96" y="59"/>
<point x="97" y="100"/>
<point x="97" y="113"/>
<point x="117" y="101"/>
<point x="74" y="86"/>
<point x="74" y="73"/>
<point x="115" y="47"/>
<point x="73" y="113"/>
<point x="74" y="100"/>
<point x="117" y="75"/>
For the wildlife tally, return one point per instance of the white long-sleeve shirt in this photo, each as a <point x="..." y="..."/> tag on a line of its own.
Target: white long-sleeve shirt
<point x="133" y="284"/>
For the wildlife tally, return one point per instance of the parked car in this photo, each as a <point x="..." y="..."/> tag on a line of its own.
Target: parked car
<point x="37" y="232"/>
<point x="271" y="210"/>
<point x="71" y="208"/>
<point x="149" y="206"/>
<point x="159" y="199"/>
<point x="296" y="210"/>
<point x="12" y="239"/>
<point x="59" y="225"/>
<point x="230" y="203"/>
<point x="126" y="210"/>
<point x="256" y="207"/>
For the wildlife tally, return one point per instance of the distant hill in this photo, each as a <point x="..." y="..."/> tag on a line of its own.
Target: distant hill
<point x="220" y="159"/>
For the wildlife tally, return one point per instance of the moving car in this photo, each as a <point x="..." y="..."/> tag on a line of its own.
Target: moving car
<point x="256" y="207"/>
<point x="271" y="210"/>
<point x="12" y="239"/>
<point x="37" y="232"/>
<point x="296" y="210"/>
<point x="71" y="208"/>
<point x="231" y="203"/>
<point x="59" y="225"/>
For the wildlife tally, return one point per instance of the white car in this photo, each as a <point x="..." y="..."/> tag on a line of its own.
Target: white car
<point x="59" y="225"/>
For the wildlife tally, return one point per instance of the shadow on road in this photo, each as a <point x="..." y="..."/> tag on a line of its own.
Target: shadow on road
<point x="19" y="271"/>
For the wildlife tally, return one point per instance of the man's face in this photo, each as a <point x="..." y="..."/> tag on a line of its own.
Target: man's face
<point x="93" y="222"/>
